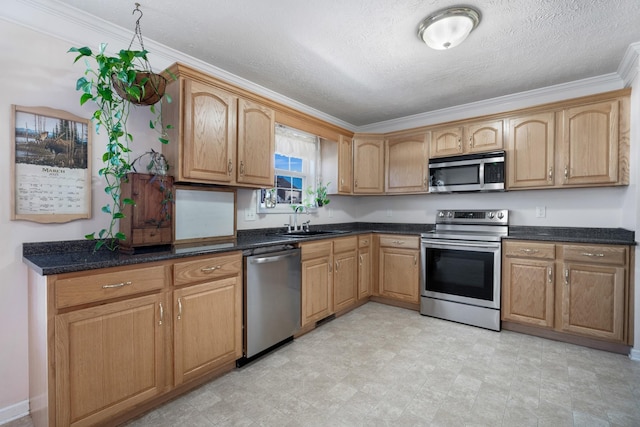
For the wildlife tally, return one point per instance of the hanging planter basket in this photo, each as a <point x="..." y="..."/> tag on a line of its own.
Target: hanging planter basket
<point x="151" y="87"/>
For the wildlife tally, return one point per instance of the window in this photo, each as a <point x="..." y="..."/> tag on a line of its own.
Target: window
<point x="296" y="162"/>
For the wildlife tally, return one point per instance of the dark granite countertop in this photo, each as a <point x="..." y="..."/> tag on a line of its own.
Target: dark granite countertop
<point x="47" y="258"/>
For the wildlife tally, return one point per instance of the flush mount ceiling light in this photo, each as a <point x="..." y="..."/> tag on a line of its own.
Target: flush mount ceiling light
<point x="448" y="28"/>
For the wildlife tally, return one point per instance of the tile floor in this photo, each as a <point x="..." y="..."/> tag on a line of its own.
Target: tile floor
<point x="382" y="365"/>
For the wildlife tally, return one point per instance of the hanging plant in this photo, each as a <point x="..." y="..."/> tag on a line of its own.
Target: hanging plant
<point x="114" y="83"/>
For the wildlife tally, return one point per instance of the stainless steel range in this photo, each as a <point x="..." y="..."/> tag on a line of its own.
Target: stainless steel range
<point x="460" y="274"/>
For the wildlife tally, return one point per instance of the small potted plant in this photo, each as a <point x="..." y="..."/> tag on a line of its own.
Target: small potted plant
<point x="321" y="194"/>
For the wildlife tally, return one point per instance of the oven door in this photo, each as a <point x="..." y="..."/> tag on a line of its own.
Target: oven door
<point x="461" y="271"/>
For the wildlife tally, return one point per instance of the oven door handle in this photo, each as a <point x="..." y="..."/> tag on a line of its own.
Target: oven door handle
<point x="443" y="245"/>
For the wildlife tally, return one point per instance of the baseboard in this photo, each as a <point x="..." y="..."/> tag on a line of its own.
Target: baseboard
<point x="634" y="354"/>
<point x="13" y="412"/>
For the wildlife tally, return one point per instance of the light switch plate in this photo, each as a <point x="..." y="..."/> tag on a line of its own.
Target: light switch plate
<point x="249" y="214"/>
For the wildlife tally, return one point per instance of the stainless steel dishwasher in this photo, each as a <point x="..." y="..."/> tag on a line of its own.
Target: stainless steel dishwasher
<point x="272" y="299"/>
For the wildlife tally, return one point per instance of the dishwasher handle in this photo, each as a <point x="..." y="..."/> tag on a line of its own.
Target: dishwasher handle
<point x="267" y="259"/>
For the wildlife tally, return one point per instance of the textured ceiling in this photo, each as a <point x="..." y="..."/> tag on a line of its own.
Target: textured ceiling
<point x="361" y="61"/>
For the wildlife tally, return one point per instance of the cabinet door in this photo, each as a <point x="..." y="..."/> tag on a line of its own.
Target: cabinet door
<point x="399" y="274"/>
<point x="108" y="359"/>
<point x="590" y="144"/>
<point x="484" y="136"/>
<point x="209" y="133"/>
<point x="345" y="284"/>
<point x="207" y="327"/>
<point x="316" y="289"/>
<point x="530" y="151"/>
<point x="368" y="166"/>
<point x="593" y="301"/>
<point x="446" y="142"/>
<point x="256" y="144"/>
<point x="364" y="272"/>
<point x="528" y="291"/>
<point x="345" y="165"/>
<point x="407" y="166"/>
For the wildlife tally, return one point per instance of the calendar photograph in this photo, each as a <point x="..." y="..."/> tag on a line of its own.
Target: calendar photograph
<point x="51" y="171"/>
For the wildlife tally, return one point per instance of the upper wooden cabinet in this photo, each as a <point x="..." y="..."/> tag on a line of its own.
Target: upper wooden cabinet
<point x="345" y="165"/>
<point x="218" y="137"/>
<point x="407" y="164"/>
<point x="574" y="146"/>
<point x="531" y="151"/>
<point x="468" y="138"/>
<point x="368" y="164"/>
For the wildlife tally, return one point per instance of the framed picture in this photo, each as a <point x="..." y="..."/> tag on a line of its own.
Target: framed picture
<point x="51" y="170"/>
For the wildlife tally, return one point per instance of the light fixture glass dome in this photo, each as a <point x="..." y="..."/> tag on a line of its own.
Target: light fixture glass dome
<point x="448" y="28"/>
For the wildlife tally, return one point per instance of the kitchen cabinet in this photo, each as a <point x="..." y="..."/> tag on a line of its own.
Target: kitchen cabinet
<point x="528" y="277"/>
<point x="345" y="273"/>
<point x="317" y="281"/>
<point x="399" y="267"/>
<point x="368" y="164"/>
<point x="531" y="151"/>
<point x="217" y="137"/>
<point x="364" y="266"/>
<point x="109" y="343"/>
<point x="407" y="164"/>
<point x="466" y="138"/>
<point x="148" y="222"/>
<point x="577" y="145"/>
<point x="580" y="290"/>
<point x="207" y="308"/>
<point x="345" y="165"/>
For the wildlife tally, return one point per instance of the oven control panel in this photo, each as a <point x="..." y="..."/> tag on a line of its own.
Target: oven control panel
<point x="486" y="217"/>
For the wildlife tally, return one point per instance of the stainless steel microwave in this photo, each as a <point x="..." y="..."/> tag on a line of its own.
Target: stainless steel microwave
<point x="469" y="172"/>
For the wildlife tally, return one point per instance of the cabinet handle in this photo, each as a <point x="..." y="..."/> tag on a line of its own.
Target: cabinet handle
<point x="460" y="144"/>
<point x="415" y="260"/>
<point x="566" y="276"/>
<point x="589" y="254"/>
<point x="360" y="259"/>
<point x="398" y="242"/>
<point x="116" y="285"/>
<point x="330" y="267"/>
<point x="355" y="183"/>
<point x="210" y="269"/>
<point x="241" y="167"/>
<point x="341" y="181"/>
<point x="529" y="251"/>
<point x="366" y="242"/>
<point x="337" y="265"/>
<point x="566" y="172"/>
<point x="424" y="182"/>
<point x="550" y="174"/>
<point x="179" y="308"/>
<point x="161" y="314"/>
<point x="470" y="142"/>
<point x="550" y="274"/>
<point x="230" y="167"/>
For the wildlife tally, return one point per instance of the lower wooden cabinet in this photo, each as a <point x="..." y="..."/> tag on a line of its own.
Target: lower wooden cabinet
<point x="345" y="273"/>
<point x="108" y="359"/>
<point x="364" y="266"/>
<point x="580" y="290"/>
<point x="399" y="267"/>
<point x="317" y="281"/>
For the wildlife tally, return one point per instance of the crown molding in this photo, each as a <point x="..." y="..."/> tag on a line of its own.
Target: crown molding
<point x="560" y="92"/>
<point x="72" y="22"/>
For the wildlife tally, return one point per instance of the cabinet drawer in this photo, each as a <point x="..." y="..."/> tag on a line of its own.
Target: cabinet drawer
<point x="345" y="244"/>
<point x="364" y="241"/>
<point x="530" y="250"/>
<point x="616" y="255"/>
<point x="107" y="285"/>
<point x="206" y="268"/>
<point x="316" y="249"/>
<point x="405" y="242"/>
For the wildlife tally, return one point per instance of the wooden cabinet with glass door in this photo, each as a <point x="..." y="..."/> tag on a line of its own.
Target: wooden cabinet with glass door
<point x="407" y="164"/>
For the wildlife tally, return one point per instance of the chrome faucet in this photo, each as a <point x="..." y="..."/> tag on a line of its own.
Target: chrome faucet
<point x="295" y="217"/>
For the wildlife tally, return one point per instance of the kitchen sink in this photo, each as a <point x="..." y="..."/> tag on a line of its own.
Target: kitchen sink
<point x="312" y="233"/>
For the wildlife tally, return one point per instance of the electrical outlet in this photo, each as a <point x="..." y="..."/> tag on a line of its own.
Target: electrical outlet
<point x="249" y="214"/>
<point x="389" y="213"/>
<point x="541" y="211"/>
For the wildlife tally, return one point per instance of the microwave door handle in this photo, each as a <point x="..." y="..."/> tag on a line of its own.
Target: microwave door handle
<point x="481" y="175"/>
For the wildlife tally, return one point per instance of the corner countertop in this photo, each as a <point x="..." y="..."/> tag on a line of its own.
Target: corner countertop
<point x="47" y="258"/>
